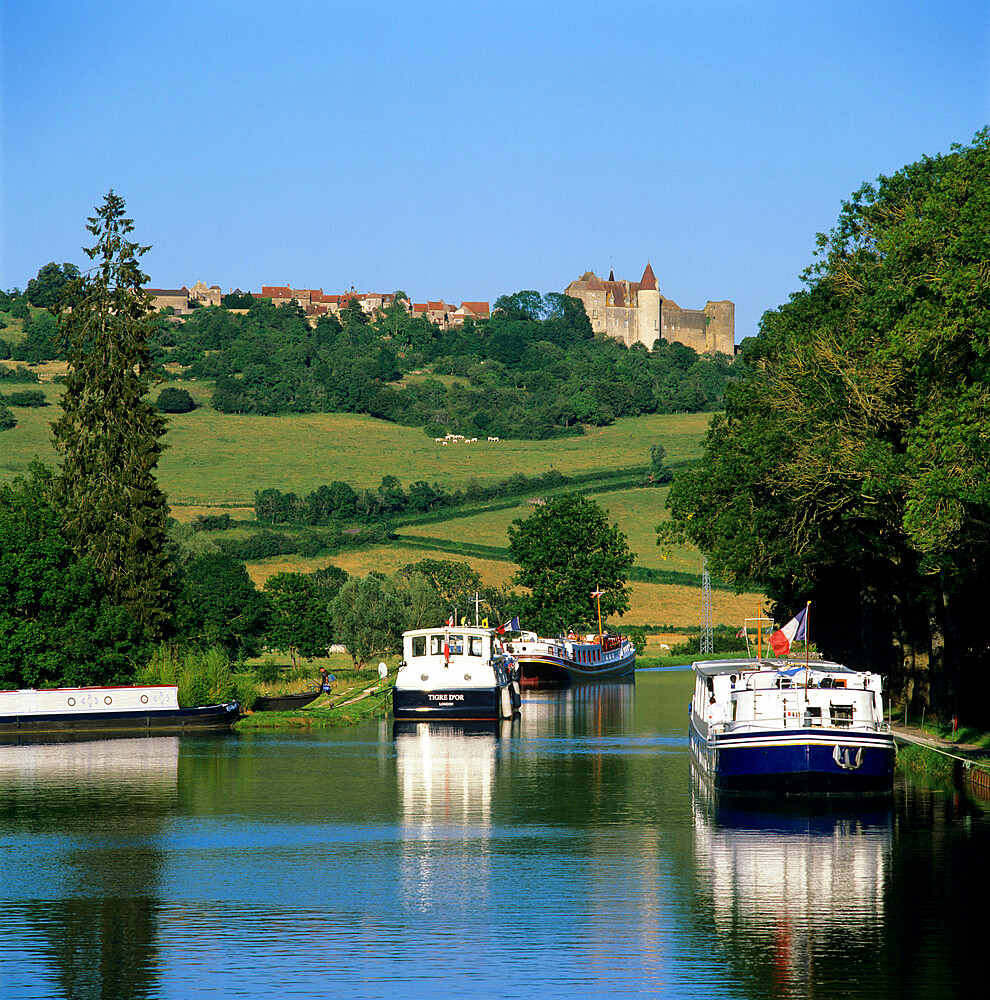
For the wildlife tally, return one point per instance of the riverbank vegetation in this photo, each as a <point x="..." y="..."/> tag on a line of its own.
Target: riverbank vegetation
<point x="851" y="467"/>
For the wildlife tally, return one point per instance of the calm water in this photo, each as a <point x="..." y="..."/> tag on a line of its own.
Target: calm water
<point x="570" y="855"/>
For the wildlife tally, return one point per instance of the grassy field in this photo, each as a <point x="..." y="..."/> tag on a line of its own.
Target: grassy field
<point x="216" y="462"/>
<point x="221" y="459"/>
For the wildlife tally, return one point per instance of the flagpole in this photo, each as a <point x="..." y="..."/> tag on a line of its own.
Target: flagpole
<point x="807" y="645"/>
<point x="759" y="632"/>
<point x="598" y="598"/>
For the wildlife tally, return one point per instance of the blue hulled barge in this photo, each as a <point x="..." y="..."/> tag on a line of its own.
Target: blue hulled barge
<point x="781" y="726"/>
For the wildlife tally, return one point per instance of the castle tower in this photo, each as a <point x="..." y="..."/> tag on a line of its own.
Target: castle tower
<point x="648" y="313"/>
<point x="720" y="332"/>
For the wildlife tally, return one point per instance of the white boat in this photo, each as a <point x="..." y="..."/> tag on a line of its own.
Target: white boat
<point x="781" y="725"/>
<point x="454" y="672"/>
<point x="572" y="659"/>
<point x="135" y="707"/>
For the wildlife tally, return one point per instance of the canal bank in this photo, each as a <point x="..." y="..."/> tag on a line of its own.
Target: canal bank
<point x="966" y="765"/>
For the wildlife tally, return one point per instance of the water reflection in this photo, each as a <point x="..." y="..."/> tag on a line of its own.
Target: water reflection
<point x="796" y="889"/>
<point x="585" y="709"/>
<point x="84" y="879"/>
<point x="446" y="775"/>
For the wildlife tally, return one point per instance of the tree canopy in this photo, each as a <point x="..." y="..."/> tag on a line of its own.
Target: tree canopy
<point x="565" y="550"/>
<point x="851" y="465"/>
<point x="58" y="624"/>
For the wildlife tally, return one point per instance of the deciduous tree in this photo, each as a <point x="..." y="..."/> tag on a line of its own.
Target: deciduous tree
<point x="565" y="550"/>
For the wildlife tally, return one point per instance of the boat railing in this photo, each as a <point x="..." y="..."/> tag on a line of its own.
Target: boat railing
<point x="798" y="720"/>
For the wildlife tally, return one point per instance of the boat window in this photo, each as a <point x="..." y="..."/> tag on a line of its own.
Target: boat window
<point x="813" y="715"/>
<point x="474" y="645"/>
<point x="436" y="645"/>
<point x="419" y="645"/>
<point x="457" y="645"/>
<point x="842" y="715"/>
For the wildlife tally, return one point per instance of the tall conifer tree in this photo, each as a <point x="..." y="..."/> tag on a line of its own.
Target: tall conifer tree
<point x="109" y="435"/>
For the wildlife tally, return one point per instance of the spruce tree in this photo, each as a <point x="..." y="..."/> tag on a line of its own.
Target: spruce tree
<point x="109" y="434"/>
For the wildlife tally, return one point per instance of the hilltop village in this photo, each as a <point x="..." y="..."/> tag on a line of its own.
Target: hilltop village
<point x="629" y="311"/>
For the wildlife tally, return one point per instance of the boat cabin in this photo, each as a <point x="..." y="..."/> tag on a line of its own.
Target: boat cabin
<point x="742" y="694"/>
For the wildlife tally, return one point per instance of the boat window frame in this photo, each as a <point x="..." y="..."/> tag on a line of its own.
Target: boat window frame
<point x="476" y="645"/>
<point x="420" y="642"/>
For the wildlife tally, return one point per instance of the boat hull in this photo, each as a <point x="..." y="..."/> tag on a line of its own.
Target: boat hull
<point x="797" y="761"/>
<point x="467" y="704"/>
<point x="284" y="702"/>
<point x="129" y="721"/>
<point x="550" y="671"/>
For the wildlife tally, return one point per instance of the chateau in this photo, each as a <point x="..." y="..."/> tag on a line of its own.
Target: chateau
<point x="636" y="313"/>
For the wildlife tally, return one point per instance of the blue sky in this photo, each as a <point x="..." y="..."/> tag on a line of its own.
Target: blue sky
<point x="463" y="150"/>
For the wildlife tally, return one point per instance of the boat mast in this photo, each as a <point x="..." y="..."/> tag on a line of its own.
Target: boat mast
<point x="807" y="646"/>
<point x="597" y="595"/>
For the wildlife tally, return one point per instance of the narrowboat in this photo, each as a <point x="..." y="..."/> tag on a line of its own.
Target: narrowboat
<point x="123" y="709"/>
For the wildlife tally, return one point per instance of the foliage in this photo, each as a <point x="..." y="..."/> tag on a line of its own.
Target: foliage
<point x="58" y="624"/>
<point x="300" y="621"/>
<point x="369" y="616"/>
<point x="340" y="501"/>
<point x="218" y="605"/>
<point x="7" y="419"/>
<point x="109" y="435"/>
<point x="46" y="289"/>
<point x="851" y="466"/>
<point x="19" y="373"/>
<point x="39" y="342"/>
<point x="203" y="676"/>
<point x="565" y="550"/>
<point x="171" y="400"/>
<point x="26" y="397"/>
<point x="213" y="522"/>
<point x="660" y="473"/>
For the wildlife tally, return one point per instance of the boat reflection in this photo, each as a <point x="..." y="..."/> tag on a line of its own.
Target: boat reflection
<point x="585" y="709"/>
<point x="90" y="895"/>
<point x="446" y="777"/>
<point x="796" y="890"/>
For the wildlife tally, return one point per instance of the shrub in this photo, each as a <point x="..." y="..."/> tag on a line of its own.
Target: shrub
<point x="202" y="676"/>
<point x="26" y="397"/>
<point x="172" y="400"/>
<point x="267" y="672"/>
<point x="7" y="419"/>
<point x="213" y="522"/>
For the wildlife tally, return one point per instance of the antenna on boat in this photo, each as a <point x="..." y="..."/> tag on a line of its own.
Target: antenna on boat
<point x="476" y="602"/>
<point x="707" y="640"/>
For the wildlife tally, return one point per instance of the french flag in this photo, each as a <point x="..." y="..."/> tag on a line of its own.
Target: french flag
<point x="510" y="626"/>
<point x="794" y="631"/>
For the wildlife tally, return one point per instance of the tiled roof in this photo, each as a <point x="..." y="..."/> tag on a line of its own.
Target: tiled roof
<point x="478" y="308"/>
<point x="649" y="279"/>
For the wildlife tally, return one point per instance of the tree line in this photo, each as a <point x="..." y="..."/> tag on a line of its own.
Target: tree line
<point x="339" y="501"/>
<point x="852" y="464"/>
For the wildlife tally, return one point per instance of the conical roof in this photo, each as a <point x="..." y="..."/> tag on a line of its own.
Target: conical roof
<point x="649" y="279"/>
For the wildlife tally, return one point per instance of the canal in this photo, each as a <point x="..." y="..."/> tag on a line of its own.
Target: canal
<point x="570" y="854"/>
